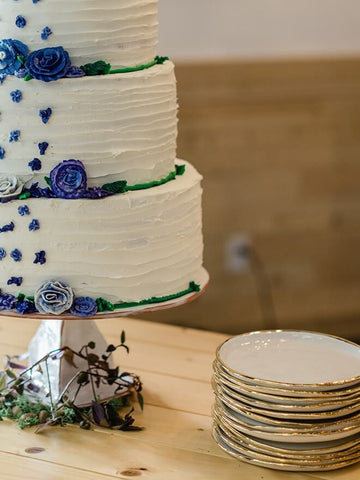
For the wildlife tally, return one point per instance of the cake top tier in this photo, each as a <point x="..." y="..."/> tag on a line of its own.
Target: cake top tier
<point x="123" y="33"/>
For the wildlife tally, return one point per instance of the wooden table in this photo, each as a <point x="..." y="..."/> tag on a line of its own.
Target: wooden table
<point x="175" y="366"/>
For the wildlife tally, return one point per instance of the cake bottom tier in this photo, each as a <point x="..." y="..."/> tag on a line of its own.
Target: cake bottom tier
<point x="124" y="248"/>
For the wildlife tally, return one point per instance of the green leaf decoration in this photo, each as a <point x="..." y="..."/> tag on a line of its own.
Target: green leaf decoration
<point x="28" y="77"/>
<point x="98" y="68"/>
<point x="180" y="169"/>
<point x="116" y="187"/>
<point x="24" y="196"/>
<point x="161" y="60"/>
<point x="20" y="297"/>
<point x="194" y="287"/>
<point x="48" y="181"/>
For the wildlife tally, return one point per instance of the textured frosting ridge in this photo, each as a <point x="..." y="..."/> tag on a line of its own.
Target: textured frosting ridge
<point x="121" y="32"/>
<point x="121" y="126"/>
<point x="124" y="248"/>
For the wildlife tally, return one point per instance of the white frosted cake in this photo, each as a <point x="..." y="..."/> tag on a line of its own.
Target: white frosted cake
<point x="96" y="212"/>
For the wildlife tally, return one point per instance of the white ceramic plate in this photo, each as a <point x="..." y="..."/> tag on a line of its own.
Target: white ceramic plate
<point x="290" y="394"/>
<point x="276" y="466"/>
<point x="292" y="359"/>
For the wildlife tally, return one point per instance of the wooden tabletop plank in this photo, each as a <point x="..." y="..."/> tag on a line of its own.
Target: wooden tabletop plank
<point x="113" y="454"/>
<point x="19" y="468"/>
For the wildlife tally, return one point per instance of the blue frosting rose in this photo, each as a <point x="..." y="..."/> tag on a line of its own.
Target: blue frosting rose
<point x="48" y="64"/>
<point x="53" y="297"/>
<point x="10" y="50"/>
<point x="84" y="307"/>
<point x="68" y="179"/>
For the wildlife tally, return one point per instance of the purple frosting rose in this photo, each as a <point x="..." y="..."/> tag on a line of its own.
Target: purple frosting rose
<point x="48" y="64"/>
<point x="68" y="179"/>
<point x="84" y="307"/>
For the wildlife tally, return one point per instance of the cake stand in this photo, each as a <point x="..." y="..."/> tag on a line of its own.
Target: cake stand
<point x="60" y="331"/>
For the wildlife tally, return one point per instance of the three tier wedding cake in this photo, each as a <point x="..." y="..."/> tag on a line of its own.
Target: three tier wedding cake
<point x="96" y="212"/>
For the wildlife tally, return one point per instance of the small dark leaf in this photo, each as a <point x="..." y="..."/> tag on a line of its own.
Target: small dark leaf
<point x="123" y="337"/>
<point x="10" y="374"/>
<point x="83" y="378"/>
<point x="111" y="348"/>
<point x="92" y="345"/>
<point x="92" y="358"/>
<point x="140" y="399"/>
<point x="103" y="365"/>
<point x="97" y="411"/>
<point x="126" y="348"/>
<point x="112" y="416"/>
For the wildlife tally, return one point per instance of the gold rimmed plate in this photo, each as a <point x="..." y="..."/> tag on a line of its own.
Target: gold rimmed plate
<point x="323" y="411"/>
<point x="294" y="360"/>
<point x="268" y="462"/>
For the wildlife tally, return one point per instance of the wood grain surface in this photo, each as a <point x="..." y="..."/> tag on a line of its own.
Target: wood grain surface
<point x="175" y="366"/>
<point x="278" y="144"/>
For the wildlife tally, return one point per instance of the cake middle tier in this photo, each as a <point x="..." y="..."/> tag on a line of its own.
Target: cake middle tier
<point x="121" y="126"/>
<point x="127" y="247"/>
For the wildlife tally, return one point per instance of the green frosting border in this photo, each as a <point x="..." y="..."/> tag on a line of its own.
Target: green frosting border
<point x="104" y="305"/>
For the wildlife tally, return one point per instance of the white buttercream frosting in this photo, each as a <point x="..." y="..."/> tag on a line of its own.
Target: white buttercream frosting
<point x="126" y="247"/>
<point x="121" y="126"/>
<point x="121" y="32"/>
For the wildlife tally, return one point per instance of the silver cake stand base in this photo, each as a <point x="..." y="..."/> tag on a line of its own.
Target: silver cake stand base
<point x="73" y="332"/>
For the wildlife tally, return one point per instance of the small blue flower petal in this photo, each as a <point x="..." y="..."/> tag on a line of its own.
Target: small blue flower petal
<point x="16" y="255"/>
<point x="2" y="153"/>
<point x="15" y="281"/>
<point x="35" y="164"/>
<point x="20" y="21"/>
<point x="7" y="228"/>
<point x="16" y="96"/>
<point x="46" y="32"/>
<point x="23" y="210"/>
<point x="40" y="257"/>
<point x="43" y="147"/>
<point x="45" y="115"/>
<point x="14" y="136"/>
<point x="2" y="253"/>
<point x="84" y="307"/>
<point x="34" y="225"/>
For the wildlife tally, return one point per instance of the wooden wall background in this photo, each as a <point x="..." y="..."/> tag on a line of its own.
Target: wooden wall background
<point x="279" y="147"/>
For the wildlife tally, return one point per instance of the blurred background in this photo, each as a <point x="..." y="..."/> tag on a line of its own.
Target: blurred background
<point x="269" y="94"/>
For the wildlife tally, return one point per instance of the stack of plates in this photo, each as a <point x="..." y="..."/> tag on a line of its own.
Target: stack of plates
<point x="288" y="400"/>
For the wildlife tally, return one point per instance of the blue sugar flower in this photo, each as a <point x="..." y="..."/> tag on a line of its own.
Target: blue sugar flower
<point x="20" y="21"/>
<point x="35" y="164"/>
<point x="16" y="255"/>
<point x="16" y="96"/>
<point x="48" y="64"/>
<point x="84" y="307"/>
<point x="2" y="153"/>
<point x="14" y="136"/>
<point x="15" y="281"/>
<point x="7" y="301"/>
<point x="25" y="307"/>
<point x="10" y="51"/>
<point x="35" y="1"/>
<point x="46" y="32"/>
<point x="68" y="179"/>
<point x="34" y="225"/>
<point x="45" y="115"/>
<point x="7" y="228"/>
<point x="23" y="210"/>
<point x="40" y="257"/>
<point x="43" y="147"/>
<point x="2" y="253"/>
<point x="53" y="297"/>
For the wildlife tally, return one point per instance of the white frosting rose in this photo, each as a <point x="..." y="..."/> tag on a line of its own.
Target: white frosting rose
<point x="10" y="186"/>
